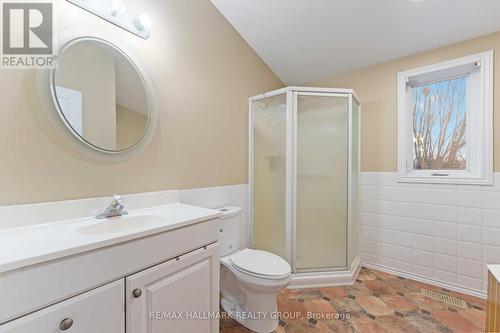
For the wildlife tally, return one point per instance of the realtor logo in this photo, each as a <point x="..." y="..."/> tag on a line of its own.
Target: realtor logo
<point x="27" y="34"/>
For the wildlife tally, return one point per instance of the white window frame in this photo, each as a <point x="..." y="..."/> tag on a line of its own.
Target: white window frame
<point x="479" y="170"/>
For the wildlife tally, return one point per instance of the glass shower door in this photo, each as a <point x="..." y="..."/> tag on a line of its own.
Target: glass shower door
<point x="321" y="186"/>
<point x="269" y="174"/>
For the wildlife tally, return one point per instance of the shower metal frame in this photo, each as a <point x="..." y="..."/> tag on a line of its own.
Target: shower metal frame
<point x="292" y="94"/>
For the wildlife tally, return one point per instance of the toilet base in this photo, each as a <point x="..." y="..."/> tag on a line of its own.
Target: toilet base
<point x="252" y="305"/>
<point x="260" y="322"/>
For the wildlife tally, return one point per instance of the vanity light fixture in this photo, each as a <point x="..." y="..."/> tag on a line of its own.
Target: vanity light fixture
<point x="116" y="7"/>
<point x="113" y="11"/>
<point x="144" y="22"/>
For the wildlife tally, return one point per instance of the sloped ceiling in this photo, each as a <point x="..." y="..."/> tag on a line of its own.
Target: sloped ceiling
<point x="307" y="40"/>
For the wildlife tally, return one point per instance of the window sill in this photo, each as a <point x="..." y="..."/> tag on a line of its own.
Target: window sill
<point x="486" y="181"/>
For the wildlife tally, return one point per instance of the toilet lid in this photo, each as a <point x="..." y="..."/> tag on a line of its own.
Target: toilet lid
<point x="260" y="263"/>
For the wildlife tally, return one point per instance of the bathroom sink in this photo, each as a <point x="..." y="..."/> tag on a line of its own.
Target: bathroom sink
<point x="119" y="224"/>
<point x="62" y="238"/>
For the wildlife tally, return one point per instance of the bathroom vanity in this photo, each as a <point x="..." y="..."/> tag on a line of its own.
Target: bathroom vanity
<point x="137" y="273"/>
<point x="493" y="307"/>
<point x="62" y="268"/>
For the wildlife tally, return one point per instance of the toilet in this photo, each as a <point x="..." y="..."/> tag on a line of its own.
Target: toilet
<point x="249" y="279"/>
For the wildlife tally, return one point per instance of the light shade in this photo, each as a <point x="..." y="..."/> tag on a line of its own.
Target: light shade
<point x="116" y="7"/>
<point x="144" y="22"/>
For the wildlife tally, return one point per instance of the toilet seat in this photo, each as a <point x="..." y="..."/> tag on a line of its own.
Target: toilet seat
<point x="261" y="264"/>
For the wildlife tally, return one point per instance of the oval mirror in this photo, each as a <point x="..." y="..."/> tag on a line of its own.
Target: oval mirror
<point x="101" y="95"/>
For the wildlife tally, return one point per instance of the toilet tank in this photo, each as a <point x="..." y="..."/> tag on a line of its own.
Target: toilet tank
<point x="229" y="230"/>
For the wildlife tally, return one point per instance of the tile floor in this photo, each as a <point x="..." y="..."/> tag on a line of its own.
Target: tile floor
<point x="377" y="302"/>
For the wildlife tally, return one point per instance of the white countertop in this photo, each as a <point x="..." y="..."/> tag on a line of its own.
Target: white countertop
<point x="495" y="270"/>
<point x="24" y="246"/>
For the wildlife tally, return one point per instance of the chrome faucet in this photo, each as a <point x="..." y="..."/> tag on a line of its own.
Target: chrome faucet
<point x="116" y="208"/>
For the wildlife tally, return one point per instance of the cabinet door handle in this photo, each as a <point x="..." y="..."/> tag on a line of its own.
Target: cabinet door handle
<point x="65" y="324"/>
<point x="137" y="293"/>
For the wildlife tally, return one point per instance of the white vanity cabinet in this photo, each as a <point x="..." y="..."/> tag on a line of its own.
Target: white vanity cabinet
<point x="113" y="289"/>
<point x="176" y="296"/>
<point x="98" y="310"/>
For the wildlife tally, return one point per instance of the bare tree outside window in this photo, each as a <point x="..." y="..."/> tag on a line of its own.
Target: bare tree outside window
<point x="439" y="125"/>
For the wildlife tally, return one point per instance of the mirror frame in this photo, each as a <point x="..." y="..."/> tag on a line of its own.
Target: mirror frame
<point x="46" y="84"/>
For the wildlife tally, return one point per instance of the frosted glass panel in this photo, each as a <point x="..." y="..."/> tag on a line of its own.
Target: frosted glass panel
<point x="322" y="167"/>
<point x="355" y="180"/>
<point x="269" y="175"/>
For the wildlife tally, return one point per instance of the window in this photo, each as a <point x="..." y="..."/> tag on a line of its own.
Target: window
<point x="445" y="112"/>
<point x="439" y="116"/>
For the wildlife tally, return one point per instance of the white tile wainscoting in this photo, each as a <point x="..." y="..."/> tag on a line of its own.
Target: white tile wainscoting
<point x="441" y="234"/>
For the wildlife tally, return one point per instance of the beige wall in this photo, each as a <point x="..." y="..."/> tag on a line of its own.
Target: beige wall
<point x="377" y="90"/>
<point x="202" y="71"/>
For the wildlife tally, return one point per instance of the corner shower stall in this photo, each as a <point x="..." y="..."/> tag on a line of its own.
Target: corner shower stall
<point x="304" y="180"/>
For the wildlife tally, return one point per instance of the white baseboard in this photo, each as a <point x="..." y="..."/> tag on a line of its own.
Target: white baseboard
<point x="326" y="279"/>
<point x="423" y="279"/>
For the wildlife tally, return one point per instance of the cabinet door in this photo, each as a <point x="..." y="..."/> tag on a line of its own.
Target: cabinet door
<point x="177" y="296"/>
<point x="100" y="310"/>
